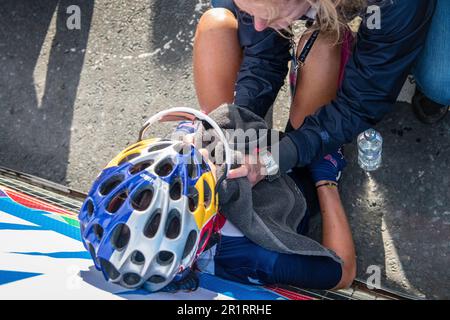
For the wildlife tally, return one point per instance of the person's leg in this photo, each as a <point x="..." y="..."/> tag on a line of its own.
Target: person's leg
<point x="317" y="80"/>
<point x="239" y="259"/>
<point x="217" y="58"/>
<point x="432" y="71"/>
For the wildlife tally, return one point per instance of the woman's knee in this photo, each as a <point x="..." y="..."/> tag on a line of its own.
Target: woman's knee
<point x="216" y="42"/>
<point x="217" y="19"/>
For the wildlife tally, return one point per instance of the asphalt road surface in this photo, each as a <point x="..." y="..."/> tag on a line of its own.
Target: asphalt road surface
<point x="72" y="99"/>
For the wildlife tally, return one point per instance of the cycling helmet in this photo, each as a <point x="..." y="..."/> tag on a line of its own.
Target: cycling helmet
<point x="149" y="214"/>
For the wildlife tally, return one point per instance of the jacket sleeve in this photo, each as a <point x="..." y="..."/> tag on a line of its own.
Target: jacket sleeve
<point x="264" y="66"/>
<point x="373" y="79"/>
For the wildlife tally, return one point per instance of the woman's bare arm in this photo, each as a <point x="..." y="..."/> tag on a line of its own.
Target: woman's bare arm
<point x="336" y="234"/>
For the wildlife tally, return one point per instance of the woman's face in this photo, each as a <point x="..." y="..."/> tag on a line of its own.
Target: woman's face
<point x="278" y="14"/>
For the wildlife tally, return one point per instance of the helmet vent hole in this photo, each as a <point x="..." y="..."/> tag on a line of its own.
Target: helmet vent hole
<point x="109" y="271"/>
<point x="156" y="279"/>
<point x="152" y="226"/>
<point x="165" y="258"/>
<point x="110" y="184"/>
<point x="98" y="231"/>
<point x="190" y="243"/>
<point x="141" y="166"/>
<point x="173" y="225"/>
<point x="129" y="158"/>
<point x="204" y="165"/>
<point x="192" y="169"/>
<point x="117" y="202"/>
<point x="159" y="147"/>
<point x="183" y="149"/>
<point x="120" y="236"/>
<point x="131" y="279"/>
<point x="205" y="237"/>
<point x="141" y="200"/>
<point x="137" y="258"/>
<point x="92" y="252"/>
<point x="193" y="199"/>
<point x="164" y="168"/>
<point x="89" y="207"/>
<point x="175" y="190"/>
<point x="207" y="194"/>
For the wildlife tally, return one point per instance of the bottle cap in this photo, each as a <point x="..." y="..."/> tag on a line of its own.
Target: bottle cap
<point x="370" y="134"/>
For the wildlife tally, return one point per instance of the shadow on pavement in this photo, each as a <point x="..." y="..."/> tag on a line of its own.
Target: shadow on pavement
<point x="37" y="105"/>
<point x="172" y="42"/>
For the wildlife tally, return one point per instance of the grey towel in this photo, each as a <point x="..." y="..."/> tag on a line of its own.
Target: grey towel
<point x="269" y="213"/>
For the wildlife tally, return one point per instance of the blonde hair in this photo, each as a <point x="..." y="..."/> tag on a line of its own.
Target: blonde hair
<point x="333" y="16"/>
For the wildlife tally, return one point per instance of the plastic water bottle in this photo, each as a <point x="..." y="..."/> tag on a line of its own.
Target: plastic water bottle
<point x="370" y="148"/>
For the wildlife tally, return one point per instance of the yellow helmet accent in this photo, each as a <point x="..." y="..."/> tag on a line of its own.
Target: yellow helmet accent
<point x="207" y="208"/>
<point x="128" y="153"/>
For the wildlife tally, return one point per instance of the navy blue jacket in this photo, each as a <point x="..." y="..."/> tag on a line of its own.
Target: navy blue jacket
<point x="373" y="79"/>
